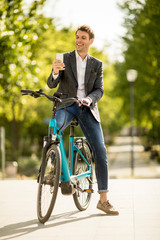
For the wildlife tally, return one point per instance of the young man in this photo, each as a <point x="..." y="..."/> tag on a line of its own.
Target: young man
<point x="81" y="76"/>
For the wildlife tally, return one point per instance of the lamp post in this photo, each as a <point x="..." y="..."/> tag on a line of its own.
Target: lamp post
<point x="131" y="77"/>
<point x="2" y="148"/>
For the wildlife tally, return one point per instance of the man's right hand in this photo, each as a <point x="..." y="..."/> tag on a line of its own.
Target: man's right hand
<point x="57" y="66"/>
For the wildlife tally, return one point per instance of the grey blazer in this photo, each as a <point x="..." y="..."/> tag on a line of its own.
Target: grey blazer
<point x="68" y="83"/>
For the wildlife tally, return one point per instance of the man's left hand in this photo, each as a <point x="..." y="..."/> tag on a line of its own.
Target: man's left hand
<point x="85" y="101"/>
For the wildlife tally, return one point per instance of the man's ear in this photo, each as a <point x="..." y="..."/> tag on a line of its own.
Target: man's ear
<point x="91" y="41"/>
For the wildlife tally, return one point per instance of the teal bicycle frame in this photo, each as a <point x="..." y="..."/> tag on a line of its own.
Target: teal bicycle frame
<point x="67" y="166"/>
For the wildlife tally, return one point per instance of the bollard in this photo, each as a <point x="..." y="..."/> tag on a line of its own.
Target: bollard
<point x="2" y="141"/>
<point x="11" y="169"/>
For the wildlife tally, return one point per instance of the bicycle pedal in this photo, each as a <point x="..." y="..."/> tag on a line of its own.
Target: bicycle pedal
<point x="88" y="190"/>
<point x="46" y="182"/>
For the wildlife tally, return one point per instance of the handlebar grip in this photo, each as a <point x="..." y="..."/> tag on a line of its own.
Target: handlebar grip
<point x="32" y="93"/>
<point x="26" y="91"/>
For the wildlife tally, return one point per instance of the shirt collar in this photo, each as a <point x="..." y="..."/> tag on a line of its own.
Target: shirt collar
<point x="79" y="58"/>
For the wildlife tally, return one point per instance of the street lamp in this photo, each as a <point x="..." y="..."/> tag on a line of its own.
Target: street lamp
<point x="131" y="77"/>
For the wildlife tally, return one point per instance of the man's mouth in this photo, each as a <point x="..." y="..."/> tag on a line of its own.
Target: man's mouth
<point x="79" y="45"/>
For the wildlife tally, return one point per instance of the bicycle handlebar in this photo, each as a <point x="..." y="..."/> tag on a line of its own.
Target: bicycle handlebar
<point x="53" y="98"/>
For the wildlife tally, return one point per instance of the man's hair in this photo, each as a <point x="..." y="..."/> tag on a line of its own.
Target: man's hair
<point x="87" y="29"/>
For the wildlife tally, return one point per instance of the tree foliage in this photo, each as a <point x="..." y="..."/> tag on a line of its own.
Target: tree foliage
<point x="21" y="28"/>
<point x="142" y="52"/>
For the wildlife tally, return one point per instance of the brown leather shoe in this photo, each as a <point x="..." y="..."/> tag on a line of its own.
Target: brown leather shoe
<point x="107" y="208"/>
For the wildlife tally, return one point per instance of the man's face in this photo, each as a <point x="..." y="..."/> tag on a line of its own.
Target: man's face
<point x="82" y="41"/>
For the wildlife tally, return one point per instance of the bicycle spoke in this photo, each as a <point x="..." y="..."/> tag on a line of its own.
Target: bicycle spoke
<point x="82" y="197"/>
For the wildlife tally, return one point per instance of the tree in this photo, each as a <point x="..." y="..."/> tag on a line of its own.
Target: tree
<point x="20" y="35"/>
<point x="142" y="52"/>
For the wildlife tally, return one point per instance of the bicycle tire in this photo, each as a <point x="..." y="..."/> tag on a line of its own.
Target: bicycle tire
<point x="82" y="199"/>
<point x="48" y="183"/>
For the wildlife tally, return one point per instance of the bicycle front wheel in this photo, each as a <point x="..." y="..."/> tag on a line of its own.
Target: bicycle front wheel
<point x="82" y="197"/>
<point x="48" y="183"/>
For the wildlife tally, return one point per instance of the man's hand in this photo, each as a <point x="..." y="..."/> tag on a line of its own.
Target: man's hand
<point x="85" y="101"/>
<point x="57" y="65"/>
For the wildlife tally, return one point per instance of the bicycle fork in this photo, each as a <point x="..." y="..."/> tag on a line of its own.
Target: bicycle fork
<point x="47" y="141"/>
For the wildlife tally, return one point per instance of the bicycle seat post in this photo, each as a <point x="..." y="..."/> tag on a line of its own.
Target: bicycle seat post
<point x="71" y="143"/>
<point x="71" y="130"/>
<point x="73" y="124"/>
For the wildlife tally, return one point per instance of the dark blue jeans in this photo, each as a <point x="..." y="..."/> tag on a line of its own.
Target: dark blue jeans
<point x="93" y="132"/>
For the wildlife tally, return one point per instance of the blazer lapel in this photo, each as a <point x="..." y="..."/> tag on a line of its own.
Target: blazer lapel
<point x="88" y="69"/>
<point x="73" y="64"/>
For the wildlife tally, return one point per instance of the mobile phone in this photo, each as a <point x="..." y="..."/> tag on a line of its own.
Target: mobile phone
<point x="59" y="56"/>
<point x="85" y="103"/>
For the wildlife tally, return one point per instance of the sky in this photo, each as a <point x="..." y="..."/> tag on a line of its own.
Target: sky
<point x="103" y="16"/>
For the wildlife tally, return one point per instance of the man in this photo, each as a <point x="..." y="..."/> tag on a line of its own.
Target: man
<point x="81" y="76"/>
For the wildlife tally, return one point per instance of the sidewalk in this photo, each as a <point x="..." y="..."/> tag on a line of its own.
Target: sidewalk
<point x="137" y="199"/>
<point x="119" y="160"/>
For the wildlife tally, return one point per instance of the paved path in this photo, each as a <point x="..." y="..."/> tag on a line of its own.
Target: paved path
<point x="138" y="201"/>
<point x="119" y="159"/>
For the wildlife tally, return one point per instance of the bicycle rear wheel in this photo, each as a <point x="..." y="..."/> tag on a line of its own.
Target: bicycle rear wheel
<point x="48" y="183"/>
<point x="82" y="198"/>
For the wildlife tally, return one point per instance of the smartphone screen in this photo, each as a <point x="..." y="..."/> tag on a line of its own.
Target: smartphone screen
<point x="59" y="56"/>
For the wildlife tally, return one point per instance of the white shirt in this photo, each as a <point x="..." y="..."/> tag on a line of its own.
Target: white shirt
<point x="81" y="69"/>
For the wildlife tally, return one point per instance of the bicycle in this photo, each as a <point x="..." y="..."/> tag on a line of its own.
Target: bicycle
<point x="74" y="176"/>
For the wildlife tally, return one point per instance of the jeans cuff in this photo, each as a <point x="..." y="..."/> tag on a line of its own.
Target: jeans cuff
<point x="100" y="191"/>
